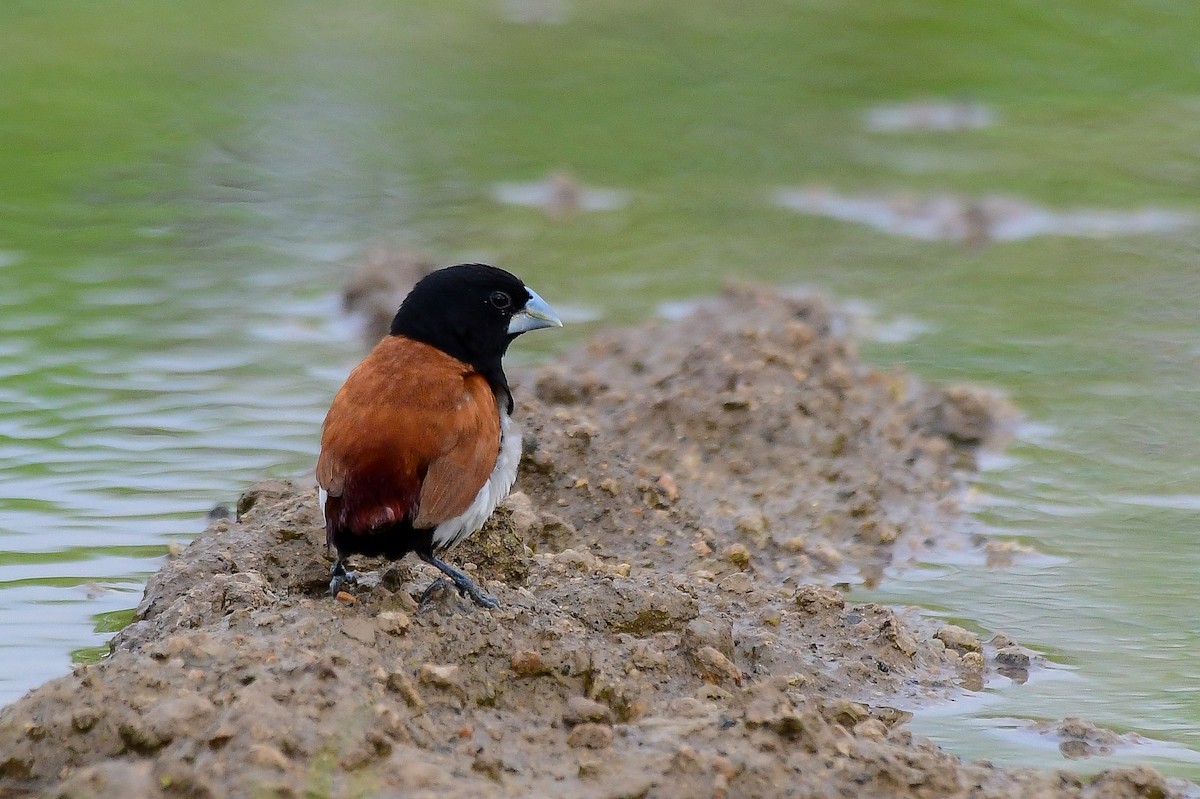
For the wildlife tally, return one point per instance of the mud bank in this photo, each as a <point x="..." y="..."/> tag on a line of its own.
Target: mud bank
<point x="690" y="492"/>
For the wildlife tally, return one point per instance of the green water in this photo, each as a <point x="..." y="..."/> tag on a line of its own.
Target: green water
<point x="181" y="184"/>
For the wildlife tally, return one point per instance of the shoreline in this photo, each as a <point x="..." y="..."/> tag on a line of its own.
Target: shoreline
<point x="690" y="490"/>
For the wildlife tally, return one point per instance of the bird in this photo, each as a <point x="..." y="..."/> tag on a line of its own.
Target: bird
<point x="419" y="447"/>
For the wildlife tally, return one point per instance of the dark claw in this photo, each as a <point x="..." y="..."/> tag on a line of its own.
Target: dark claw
<point x="434" y="587"/>
<point x="338" y="577"/>
<point x="464" y="583"/>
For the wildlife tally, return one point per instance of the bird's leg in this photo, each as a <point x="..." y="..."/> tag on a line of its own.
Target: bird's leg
<point x="464" y="583"/>
<point x="338" y="576"/>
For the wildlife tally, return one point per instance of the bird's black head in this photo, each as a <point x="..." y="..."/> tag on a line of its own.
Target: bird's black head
<point x="473" y="312"/>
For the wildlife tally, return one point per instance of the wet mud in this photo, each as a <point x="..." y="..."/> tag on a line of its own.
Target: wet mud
<point x="692" y="494"/>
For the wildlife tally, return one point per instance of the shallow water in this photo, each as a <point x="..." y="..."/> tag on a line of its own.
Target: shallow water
<point x="178" y="217"/>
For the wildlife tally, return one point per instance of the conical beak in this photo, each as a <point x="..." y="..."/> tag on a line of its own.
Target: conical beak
<point x="536" y="314"/>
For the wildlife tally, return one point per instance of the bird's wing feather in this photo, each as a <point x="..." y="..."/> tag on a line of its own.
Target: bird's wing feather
<point x="455" y="476"/>
<point x="408" y="416"/>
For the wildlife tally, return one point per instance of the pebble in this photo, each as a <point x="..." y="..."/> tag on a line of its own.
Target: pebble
<point x="737" y="554"/>
<point x="716" y="666"/>
<point x="752" y="524"/>
<point x="712" y="632"/>
<point x="871" y="729"/>
<point x="393" y="622"/>
<point x="955" y="637"/>
<point x="446" y="677"/>
<point x="739" y="583"/>
<point x="1013" y="657"/>
<point x="900" y="637"/>
<point x="402" y="684"/>
<point x="688" y="707"/>
<point x="581" y="710"/>
<point x="591" y="736"/>
<point x="818" y="599"/>
<point x="527" y="663"/>
<point x="796" y="543"/>
<point x="266" y="756"/>
<point x="669" y="487"/>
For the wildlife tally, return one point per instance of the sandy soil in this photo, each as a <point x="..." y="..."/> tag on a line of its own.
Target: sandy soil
<point x="691" y="493"/>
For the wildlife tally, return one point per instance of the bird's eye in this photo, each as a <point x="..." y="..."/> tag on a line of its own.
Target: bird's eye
<point x="500" y="300"/>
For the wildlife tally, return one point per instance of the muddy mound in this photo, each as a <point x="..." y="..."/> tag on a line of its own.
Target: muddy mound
<point x="660" y="633"/>
<point x="749" y="436"/>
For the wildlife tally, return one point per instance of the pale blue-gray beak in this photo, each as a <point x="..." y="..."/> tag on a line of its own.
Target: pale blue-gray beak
<point x="536" y="314"/>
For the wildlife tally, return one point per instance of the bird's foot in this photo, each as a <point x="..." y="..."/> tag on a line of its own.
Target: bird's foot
<point x="440" y="584"/>
<point x="461" y="581"/>
<point x="339" y="577"/>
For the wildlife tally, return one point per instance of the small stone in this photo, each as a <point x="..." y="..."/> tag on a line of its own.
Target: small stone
<point x="702" y="548"/>
<point x="581" y="710"/>
<point x="1075" y="749"/>
<point x="715" y="666"/>
<point x="1001" y="641"/>
<point x="394" y="622"/>
<point x="524" y="518"/>
<point x="527" y="663"/>
<point x="902" y="639"/>
<point x="752" y="524"/>
<point x="873" y="531"/>
<point x="347" y="598"/>
<point x="739" y="583"/>
<point x="688" y="707"/>
<point x="687" y="760"/>
<point x="1012" y="657"/>
<point x="795" y="544"/>
<point x="440" y="676"/>
<point x="826" y="552"/>
<point x="818" y="599"/>
<point x="871" y="729"/>
<point x="444" y="677"/>
<point x="669" y="488"/>
<point x="590" y="736"/>
<point x="1141" y="781"/>
<point x="84" y="720"/>
<point x="400" y="682"/>
<point x="848" y="714"/>
<point x="266" y="756"/>
<point x="701" y="632"/>
<point x="725" y="767"/>
<point x="737" y="554"/>
<point x="955" y="637"/>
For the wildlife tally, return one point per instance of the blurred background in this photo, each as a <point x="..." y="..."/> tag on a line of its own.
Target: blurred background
<point x="1002" y="193"/>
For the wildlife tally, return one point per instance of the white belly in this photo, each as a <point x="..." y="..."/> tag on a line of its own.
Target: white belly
<point x="450" y="532"/>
